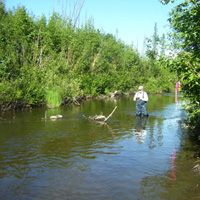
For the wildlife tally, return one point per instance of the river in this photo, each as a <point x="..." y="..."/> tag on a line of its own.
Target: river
<point x="74" y="158"/>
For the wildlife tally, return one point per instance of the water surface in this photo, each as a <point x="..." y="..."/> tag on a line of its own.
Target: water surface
<point x="73" y="158"/>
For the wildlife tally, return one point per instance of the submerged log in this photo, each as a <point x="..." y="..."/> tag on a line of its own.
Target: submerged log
<point x="95" y="118"/>
<point x="100" y="117"/>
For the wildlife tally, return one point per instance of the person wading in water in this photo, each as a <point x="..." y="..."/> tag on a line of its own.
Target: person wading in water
<point x="141" y="99"/>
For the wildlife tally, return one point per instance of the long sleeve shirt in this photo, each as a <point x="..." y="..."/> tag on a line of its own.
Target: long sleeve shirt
<point x="142" y="95"/>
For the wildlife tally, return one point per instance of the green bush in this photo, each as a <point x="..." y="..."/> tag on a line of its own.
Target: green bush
<point x="48" y="61"/>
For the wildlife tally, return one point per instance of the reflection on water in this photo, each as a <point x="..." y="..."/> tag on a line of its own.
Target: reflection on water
<point x="140" y="128"/>
<point x="173" y="167"/>
<point x="73" y="158"/>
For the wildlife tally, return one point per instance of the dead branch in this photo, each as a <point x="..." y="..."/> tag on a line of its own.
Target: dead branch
<point x="100" y="117"/>
<point x="96" y="117"/>
<point x="79" y="11"/>
<point x="110" y="114"/>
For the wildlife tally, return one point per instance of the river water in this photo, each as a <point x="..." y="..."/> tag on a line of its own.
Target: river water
<point x="74" y="158"/>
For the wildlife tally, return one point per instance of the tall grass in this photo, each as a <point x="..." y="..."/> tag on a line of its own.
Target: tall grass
<point x="53" y="98"/>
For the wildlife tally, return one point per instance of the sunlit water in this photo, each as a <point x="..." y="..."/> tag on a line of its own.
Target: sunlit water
<point x="74" y="158"/>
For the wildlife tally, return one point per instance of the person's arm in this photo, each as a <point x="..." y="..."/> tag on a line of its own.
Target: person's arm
<point x="145" y="97"/>
<point x="135" y="96"/>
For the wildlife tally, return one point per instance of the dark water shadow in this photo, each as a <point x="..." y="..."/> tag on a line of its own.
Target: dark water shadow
<point x="140" y="128"/>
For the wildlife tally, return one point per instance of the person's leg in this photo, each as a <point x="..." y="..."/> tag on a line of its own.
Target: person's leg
<point x="144" y="108"/>
<point x="138" y="108"/>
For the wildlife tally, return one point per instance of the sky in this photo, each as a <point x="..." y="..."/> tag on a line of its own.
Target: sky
<point x="129" y="20"/>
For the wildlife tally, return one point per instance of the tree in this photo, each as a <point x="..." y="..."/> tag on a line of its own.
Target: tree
<point x="163" y="45"/>
<point x="185" y="23"/>
<point x="41" y="59"/>
<point x="152" y="44"/>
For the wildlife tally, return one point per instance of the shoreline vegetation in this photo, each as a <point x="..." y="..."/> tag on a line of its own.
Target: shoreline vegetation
<point x="68" y="101"/>
<point x="53" y="62"/>
<point x="50" y="62"/>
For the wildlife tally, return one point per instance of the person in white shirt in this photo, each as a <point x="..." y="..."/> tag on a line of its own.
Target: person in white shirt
<point x="141" y="99"/>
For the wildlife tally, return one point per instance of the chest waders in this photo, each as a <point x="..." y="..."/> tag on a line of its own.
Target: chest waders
<point x="141" y="107"/>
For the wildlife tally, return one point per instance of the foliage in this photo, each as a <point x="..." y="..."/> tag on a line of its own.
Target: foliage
<point x="53" y="97"/>
<point x="185" y="23"/>
<point x="166" y="1"/>
<point x="46" y="61"/>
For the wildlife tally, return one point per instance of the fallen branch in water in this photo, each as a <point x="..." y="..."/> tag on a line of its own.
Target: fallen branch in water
<point x="95" y="118"/>
<point x="110" y="114"/>
<point x="100" y="117"/>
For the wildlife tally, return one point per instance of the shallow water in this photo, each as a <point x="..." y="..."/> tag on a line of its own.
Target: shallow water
<point x="73" y="158"/>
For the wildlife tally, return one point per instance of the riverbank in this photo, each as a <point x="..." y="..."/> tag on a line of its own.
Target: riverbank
<point x="23" y="105"/>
